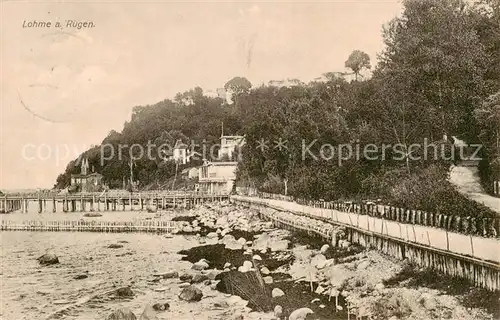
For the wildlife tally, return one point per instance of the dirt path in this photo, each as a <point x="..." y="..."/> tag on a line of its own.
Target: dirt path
<point x="466" y="179"/>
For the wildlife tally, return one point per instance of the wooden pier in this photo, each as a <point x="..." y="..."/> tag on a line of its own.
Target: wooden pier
<point x="104" y="201"/>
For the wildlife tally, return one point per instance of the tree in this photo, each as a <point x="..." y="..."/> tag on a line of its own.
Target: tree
<point x="434" y="55"/>
<point x="357" y="61"/>
<point x="238" y="85"/>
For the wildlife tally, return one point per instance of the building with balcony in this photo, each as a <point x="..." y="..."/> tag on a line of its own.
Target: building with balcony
<point x="217" y="177"/>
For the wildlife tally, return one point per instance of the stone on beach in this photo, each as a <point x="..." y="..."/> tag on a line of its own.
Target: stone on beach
<point x="212" y="235"/>
<point x="115" y="246"/>
<point x="233" y="245"/>
<point x="324" y="248"/>
<point x="277" y="292"/>
<point x="265" y="271"/>
<point x="124" y="292"/>
<point x="191" y="293"/>
<point x="268" y="279"/>
<point x="247" y="266"/>
<point x="200" y="265"/>
<point x="81" y="276"/>
<point x="278" y="311"/>
<point x="280" y="245"/>
<point x="186" y="277"/>
<point x="262" y="242"/>
<point x="300" y="314"/>
<point x="257" y="257"/>
<point x="198" y="278"/>
<point x="161" y="306"/>
<point x="48" y="259"/>
<point x="122" y="314"/>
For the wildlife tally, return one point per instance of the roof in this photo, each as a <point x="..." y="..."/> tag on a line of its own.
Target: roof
<point x="79" y="175"/>
<point x="180" y="145"/>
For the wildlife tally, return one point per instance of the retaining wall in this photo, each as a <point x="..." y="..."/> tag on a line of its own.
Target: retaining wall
<point x="471" y="257"/>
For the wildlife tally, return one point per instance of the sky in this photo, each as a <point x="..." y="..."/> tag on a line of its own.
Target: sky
<point x="63" y="89"/>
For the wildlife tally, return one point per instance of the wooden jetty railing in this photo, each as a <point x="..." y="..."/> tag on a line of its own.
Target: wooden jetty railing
<point x="90" y="226"/>
<point x="471" y="257"/>
<point x="111" y="201"/>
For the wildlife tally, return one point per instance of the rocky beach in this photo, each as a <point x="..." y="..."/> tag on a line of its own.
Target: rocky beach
<point x="224" y="262"/>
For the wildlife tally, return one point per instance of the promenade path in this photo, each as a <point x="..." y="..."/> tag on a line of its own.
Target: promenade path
<point x="467" y="182"/>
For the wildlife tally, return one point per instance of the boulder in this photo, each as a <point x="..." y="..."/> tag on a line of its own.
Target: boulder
<point x="48" y="259"/>
<point x="228" y="238"/>
<point x="212" y="235"/>
<point x="233" y="245"/>
<point x="242" y="241"/>
<point x="211" y="241"/>
<point x="262" y="242"/>
<point x="115" y="246"/>
<point x="318" y="261"/>
<point x="186" y="277"/>
<point x="265" y="271"/>
<point x="221" y="222"/>
<point x="300" y="314"/>
<point x="213" y="274"/>
<point x="278" y="312"/>
<point x="191" y="293"/>
<point x="122" y="314"/>
<point x="81" y="276"/>
<point x="257" y="258"/>
<point x="247" y="266"/>
<point x="161" y="306"/>
<point x="188" y="229"/>
<point x="277" y="292"/>
<point x="198" y="278"/>
<point x="280" y="245"/>
<point x="200" y="265"/>
<point x="268" y="279"/>
<point x="319" y="290"/>
<point x="124" y="292"/>
<point x="324" y="249"/>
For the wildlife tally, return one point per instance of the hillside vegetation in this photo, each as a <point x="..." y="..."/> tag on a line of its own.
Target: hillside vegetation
<point x="436" y="78"/>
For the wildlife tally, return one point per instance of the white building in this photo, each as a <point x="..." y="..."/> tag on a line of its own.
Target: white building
<point x="179" y="154"/>
<point x="228" y="146"/>
<point x="217" y="177"/>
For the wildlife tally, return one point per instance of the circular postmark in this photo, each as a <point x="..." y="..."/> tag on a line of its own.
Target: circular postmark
<point x="56" y="94"/>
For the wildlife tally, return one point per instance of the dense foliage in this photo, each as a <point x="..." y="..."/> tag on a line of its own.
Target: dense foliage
<point x="436" y="78"/>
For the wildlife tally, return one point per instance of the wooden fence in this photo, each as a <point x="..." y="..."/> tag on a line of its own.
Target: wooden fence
<point x="477" y="226"/>
<point x="90" y="226"/>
